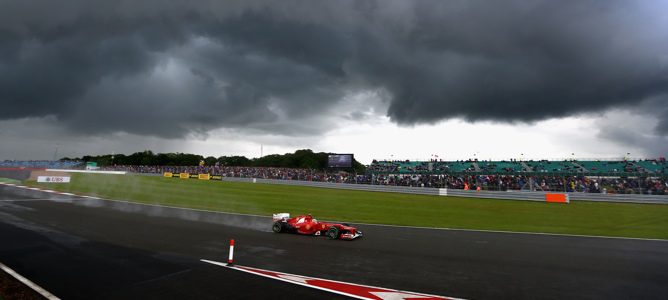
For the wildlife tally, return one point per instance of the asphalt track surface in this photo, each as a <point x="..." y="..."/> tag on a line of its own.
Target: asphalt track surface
<point x="97" y="249"/>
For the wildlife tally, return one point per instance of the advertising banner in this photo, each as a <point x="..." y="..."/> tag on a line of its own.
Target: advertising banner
<point x="184" y="175"/>
<point x="204" y="176"/>
<point x="195" y="176"/>
<point x="53" y="179"/>
<point x="216" y="177"/>
<point x="557" y="198"/>
<point x="168" y="174"/>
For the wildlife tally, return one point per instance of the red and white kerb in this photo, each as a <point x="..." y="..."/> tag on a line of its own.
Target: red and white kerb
<point x="357" y="291"/>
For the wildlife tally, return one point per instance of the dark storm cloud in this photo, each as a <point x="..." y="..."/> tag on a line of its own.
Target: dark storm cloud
<point x="172" y="68"/>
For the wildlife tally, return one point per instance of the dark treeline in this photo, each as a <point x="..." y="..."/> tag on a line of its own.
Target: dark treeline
<point x="305" y="158"/>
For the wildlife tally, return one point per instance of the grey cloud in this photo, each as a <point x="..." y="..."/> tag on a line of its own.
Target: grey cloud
<point x="168" y="70"/>
<point x="640" y="140"/>
<point x="658" y="107"/>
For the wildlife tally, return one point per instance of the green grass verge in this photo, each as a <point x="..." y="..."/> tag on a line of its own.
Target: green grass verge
<point x="9" y="180"/>
<point x="587" y="218"/>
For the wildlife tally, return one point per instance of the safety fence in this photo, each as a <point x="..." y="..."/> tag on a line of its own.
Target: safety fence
<point x="502" y="195"/>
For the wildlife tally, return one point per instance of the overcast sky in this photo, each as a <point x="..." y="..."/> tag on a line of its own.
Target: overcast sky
<point x="380" y="79"/>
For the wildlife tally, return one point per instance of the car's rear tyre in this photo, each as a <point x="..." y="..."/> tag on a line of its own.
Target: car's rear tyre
<point x="278" y="227"/>
<point x="333" y="233"/>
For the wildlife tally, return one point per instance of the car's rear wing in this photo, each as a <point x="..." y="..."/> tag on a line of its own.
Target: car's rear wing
<point x="281" y="216"/>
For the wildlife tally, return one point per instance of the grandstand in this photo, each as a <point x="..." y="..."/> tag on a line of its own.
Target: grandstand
<point x="546" y="166"/>
<point x="589" y="176"/>
<point x="653" y="166"/>
<point x="650" y="167"/>
<point x="607" y="166"/>
<point x="501" y="167"/>
<point x="455" y="166"/>
<point x="421" y="167"/>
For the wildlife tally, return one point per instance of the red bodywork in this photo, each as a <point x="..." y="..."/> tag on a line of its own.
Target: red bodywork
<point x="306" y="224"/>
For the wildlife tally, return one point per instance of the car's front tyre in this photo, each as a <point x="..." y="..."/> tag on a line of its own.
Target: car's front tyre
<point x="278" y="227"/>
<point x="333" y="233"/>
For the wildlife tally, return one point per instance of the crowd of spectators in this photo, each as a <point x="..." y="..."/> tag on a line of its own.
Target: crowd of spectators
<point x="381" y="173"/>
<point x="242" y="172"/>
<point x="498" y="182"/>
<point x="587" y="184"/>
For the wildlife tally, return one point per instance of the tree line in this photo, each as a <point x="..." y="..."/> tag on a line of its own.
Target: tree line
<point x="304" y="158"/>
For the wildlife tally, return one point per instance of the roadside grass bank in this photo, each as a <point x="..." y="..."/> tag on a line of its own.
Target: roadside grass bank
<point x="9" y="180"/>
<point x="580" y="217"/>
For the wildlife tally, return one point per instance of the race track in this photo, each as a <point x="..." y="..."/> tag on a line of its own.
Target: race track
<point x="97" y="249"/>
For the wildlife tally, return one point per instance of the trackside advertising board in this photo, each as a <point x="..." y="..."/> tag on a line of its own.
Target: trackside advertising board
<point x="204" y="176"/>
<point x="557" y="198"/>
<point x="53" y="179"/>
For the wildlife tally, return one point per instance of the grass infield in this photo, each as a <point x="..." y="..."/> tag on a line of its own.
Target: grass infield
<point x="580" y="217"/>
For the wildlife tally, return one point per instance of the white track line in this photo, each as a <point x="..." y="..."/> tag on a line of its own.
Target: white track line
<point x="29" y="283"/>
<point x="386" y="225"/>
<point x="517" y="232"/>
<point x="24" y="200"/>
<point x="46" y="191"/>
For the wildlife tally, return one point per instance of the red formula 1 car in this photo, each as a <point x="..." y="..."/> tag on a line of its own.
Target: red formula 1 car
<point x="307" y="225"/>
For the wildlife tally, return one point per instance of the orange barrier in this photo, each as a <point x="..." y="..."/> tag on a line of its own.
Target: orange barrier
<point x="557" y="198"/>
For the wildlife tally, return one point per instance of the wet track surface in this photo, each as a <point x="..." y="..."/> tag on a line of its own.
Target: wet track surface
<point x="85" y="249"/>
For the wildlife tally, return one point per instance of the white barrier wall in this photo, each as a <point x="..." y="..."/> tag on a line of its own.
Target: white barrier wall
<point x="87" y="171"/>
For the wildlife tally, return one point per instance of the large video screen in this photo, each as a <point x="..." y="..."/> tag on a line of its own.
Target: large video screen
<point x="340" y="160"/>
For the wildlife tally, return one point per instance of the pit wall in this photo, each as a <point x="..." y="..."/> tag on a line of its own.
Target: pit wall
<point x="501" y="195"/>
